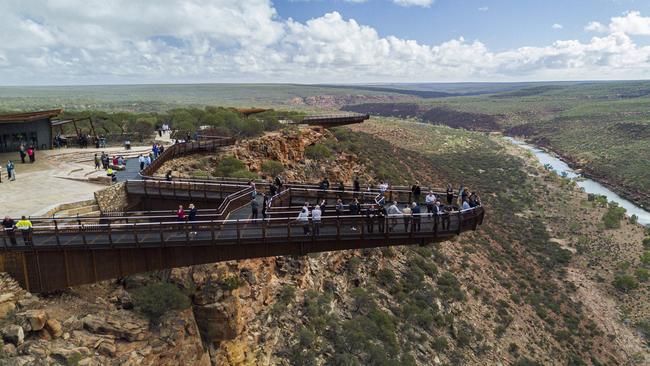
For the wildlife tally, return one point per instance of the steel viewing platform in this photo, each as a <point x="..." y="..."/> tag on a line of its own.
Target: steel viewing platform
<point x="70" y="251"/>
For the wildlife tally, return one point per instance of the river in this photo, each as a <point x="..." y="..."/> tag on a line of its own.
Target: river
<point x="590" y="186"/>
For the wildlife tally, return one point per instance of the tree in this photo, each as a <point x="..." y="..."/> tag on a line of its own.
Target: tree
<point x="155" y="300"/>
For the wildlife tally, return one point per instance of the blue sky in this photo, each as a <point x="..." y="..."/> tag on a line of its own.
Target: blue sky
<point x="319" y="41"/>
<point x="500" y="24"/>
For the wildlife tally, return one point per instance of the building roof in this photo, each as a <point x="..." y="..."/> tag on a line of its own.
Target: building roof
<point x="29" y="116"/>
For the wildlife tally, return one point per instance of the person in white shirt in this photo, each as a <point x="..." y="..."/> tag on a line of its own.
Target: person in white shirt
<point x="303" y="217"/>
<point x="430" y="201"/>
<point x="394" y="213"/>
<point x="466" y="205"/>
<point x="142" y="161"/>
<point x="315" y="218"/>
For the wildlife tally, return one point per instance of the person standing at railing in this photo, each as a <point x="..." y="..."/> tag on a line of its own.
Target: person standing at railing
<point x="450" y="194"/>
<point x="25" y="227"/>
<point x="393" y="213"/>
<point x="416" y="191"/>
<point x="370" y="216"/>
<point x="141" y="160"/>
<point x="341" y="186"/>
<point x="445" y="217"/>
<point x="355" y="209"/>
<point x="406" y="213"/>
<point x="325" y="184"/>
<point x="380" y="216"/>
<point x="192" y="217"/>
<point x="154" y="150"/>
<point x="383" y="188"/>
<point x="251" y="183"/>
<point x="339" y="207"/>
<point x="430" y="201"/>
<point x="416" y="211"/>
<point x="356" y="186"/>
<point x="272" y="189"/>
<point x="316" y="214"/>
<point x="254" y="208"/>
<point x="168" y="176"/>
<point x="265" y="204"/>
<point x="303" y="218"/>
<point x="10" y="229"/>
<point x="180" y="215"/>
<point x="279" y="183"/>
<point x="465" y="205"/>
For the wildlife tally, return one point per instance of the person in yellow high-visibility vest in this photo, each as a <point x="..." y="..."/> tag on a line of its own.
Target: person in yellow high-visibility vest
<point x="25" y="227"/>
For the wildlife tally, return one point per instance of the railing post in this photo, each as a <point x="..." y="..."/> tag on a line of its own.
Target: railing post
<point x="338" y="228"/>
<point x="110" y="235"/>
<point x="56" y="233"/>
<point x="135" y="235"/>
<point x="212" y="230"/>
<point x="162" y="238"/>
<point x="460" y="222"/>
<point x="238" y="231"/>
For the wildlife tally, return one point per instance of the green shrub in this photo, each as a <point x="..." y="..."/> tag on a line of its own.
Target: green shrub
<point x="386" y="276"/>
<point x="450" y="287"/>
<point x="646" y="243"/>
<point x="625" y="283"/>
<point x="230" y="283"/>
<point x="318" y="152"/>
<point x="287" y="294"/>
<point x="634" y="219"/>
<point x="644" y="327"/>
<point x="642" y="274"/>
<point x="613" y="216"/>
<point x="154" y="300"/>
<point x="227" y="166"/>
<point x="645" y="258"/>
<point x="272" y="167"/>
<point x="440" y="344"/>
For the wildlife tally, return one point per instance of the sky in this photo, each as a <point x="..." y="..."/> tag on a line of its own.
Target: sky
<point x="75" y="42"/>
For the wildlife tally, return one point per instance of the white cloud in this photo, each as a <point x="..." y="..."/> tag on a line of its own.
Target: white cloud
<point x="595" y="27"/>
<point x="557" y="26"/>
<point x="483" y="8"/>
<point x="423" y="3"/>
<point x="631" y="23"/>
<point x="121" y="41"/>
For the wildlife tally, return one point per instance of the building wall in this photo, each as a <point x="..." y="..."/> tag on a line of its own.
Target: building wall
<point x="11" y="134"/>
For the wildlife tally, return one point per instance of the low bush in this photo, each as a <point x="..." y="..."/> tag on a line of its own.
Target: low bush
<point x="645" y="258"/>
<point x="155" y="300"/>
<point x="272" y="167"/>
<point x="646" y="243"/>
<point x="642" y="274"/>
<point x="318" y="152"/>
<point x="625" y="283"/>
<point x="613" y="216"/>
<point x="386" y="276"/>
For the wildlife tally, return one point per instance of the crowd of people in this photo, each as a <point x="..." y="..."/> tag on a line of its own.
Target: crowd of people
<point x="373" y="207"/>
<point x="24" y="226"/>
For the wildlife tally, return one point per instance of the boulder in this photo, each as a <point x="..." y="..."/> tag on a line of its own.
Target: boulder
<point x="9" y="350"/>
<point x="54" y="327"/>
<point x="14" y="334"/>
<point x="6" y="308"/>
<point x="107" y="348"/>
<point x="36" y="319"/>
<point x="127" y="330"/>
<point x="219" y="321"/>
<point x="64" y="354"/>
